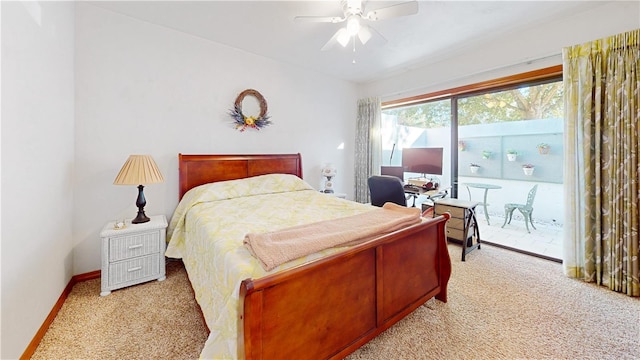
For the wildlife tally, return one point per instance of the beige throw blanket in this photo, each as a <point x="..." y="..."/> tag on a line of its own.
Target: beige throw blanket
<point x="278" y="247"/>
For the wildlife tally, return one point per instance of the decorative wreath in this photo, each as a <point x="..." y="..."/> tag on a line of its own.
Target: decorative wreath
<point x="242" y="121"/>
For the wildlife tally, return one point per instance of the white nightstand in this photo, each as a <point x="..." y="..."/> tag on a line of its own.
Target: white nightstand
<point x="133" y="255"/>
<point x="339" y="195"/>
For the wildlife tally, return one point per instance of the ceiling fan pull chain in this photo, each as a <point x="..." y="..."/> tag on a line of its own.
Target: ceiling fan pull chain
<point x="354" y="50"/>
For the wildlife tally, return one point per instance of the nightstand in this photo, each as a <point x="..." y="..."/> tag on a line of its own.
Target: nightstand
<point x="133" y="254"/>
<point x="462" y="226"/>
<point x="338" y="195"/>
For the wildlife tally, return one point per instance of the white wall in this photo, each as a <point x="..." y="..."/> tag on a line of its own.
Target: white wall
<point x="511" y="53"/>
<point x="37" y="165"/>
<point x="142" y="88"/>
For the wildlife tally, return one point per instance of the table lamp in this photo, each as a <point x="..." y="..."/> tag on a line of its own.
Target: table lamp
<point x="138" y="170"/>
<point x="328" y="171"/>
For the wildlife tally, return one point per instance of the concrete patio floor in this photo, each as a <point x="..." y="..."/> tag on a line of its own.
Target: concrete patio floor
<point x="545" y="240"/>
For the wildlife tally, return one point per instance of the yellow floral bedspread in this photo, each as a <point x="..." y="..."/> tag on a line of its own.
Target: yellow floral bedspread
<point x="207" y="231"/>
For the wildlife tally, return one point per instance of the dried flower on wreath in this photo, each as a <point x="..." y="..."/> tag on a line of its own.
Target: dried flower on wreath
<point x="242" y="121"/>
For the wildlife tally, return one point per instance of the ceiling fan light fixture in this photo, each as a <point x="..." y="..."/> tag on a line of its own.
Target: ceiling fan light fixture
<point x="343" y="37"/>
<point x="364" y="34"/>
<point x="353" y="25"/>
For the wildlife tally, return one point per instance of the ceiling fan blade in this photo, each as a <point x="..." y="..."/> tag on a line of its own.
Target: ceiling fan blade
<point x="320" y="19"/>
<point x="340" y="37"/>
<point x="402" y="9"/>
<point x="364" y="34"/>
<point x="368" y="33"/>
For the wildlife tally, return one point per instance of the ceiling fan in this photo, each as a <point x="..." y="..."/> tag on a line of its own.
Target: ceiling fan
<point x="355" y="17"/>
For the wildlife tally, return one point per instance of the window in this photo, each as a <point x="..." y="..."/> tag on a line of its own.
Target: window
<point x="423" y="125"/>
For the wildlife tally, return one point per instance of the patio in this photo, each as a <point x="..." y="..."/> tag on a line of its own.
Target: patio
<point x="545" y="240"/>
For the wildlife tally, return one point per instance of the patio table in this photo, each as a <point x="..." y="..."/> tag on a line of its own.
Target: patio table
<point x="486" y="188"/>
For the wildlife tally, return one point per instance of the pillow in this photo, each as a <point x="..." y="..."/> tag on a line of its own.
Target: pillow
<point x="256" y="185"/>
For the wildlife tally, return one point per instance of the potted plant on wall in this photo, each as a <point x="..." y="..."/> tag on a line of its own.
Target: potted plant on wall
<point x="543" y="148"/>
<point x="512" y="155"/>
<point x="474" y="168"/>
<point x="461" y="145"/>
<point x="486" y="154"/>
<point x="528" y="169"/>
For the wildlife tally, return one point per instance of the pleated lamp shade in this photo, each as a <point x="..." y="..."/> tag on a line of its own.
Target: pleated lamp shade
<point x="139" y="170"/>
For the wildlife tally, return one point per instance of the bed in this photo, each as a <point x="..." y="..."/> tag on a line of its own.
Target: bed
<point x="323" y="305"/>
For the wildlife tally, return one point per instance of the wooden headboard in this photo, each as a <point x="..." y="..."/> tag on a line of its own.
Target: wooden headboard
<point x="196" y="170"/>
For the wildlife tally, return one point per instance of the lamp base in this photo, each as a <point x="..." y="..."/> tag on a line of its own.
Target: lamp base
<point x="141" y="218"/>
<point x="328" y="185"/>
<point x="140" y="203"/>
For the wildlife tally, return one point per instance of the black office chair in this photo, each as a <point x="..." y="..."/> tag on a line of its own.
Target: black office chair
<point x="386" y="188"/>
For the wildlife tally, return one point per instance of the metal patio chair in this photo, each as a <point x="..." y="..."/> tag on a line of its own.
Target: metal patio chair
<point x="525" y="209"/>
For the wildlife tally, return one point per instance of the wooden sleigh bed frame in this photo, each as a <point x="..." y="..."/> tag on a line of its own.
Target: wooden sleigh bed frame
<point x="328" y="308"/>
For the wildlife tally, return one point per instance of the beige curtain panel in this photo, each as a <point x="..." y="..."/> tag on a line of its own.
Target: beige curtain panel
<point x="602" y="107"/>
<point x="367" y="146"/>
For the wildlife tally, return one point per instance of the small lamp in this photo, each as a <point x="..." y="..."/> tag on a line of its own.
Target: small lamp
<point x="138" y="170"/>
<point x="328" y="171"/>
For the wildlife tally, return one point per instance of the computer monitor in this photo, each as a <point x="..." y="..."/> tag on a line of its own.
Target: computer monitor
<point x="397" y="171"/>
<point x="422" y="160"/>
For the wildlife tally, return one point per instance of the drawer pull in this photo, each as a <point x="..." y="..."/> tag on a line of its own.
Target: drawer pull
<point x="135" y="246"/>
<point x="135" y="269"/>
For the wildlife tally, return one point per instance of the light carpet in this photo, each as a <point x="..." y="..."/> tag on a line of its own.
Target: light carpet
<point x="502" y="305"/>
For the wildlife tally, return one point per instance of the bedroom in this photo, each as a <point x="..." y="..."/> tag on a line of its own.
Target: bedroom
<point x="106" y="86"/>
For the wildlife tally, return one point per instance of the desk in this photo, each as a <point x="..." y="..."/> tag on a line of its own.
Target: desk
<point x="430" y="194"/>
<point x="486" y="188"/>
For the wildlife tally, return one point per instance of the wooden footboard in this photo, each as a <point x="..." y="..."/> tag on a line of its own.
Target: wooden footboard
<point x="328" y="308"/>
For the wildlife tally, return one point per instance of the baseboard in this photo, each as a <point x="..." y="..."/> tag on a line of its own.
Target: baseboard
<point x="33" y="345"/>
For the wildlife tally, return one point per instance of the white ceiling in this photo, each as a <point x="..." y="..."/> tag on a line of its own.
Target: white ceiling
<point x="266" y="28"/>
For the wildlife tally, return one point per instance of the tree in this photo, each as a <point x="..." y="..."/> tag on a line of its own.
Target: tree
<point x="524" y="103"/>
<point x="434" y="114"/>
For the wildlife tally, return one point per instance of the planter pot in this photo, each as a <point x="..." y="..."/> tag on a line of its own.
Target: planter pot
<point x="474" y="169"/>
<point x="544" y="150"/>
<point x="528" y="171"/>
<point x="512" y="157"/>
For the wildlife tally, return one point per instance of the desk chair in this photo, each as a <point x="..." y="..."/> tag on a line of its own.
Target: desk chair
<point x="525" y="209"/>
<point x="386" y="188"/>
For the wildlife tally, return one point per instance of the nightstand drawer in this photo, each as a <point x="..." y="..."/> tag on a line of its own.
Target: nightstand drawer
<point x="455" y="223"/>
<point x="455" y="234"/>
<point x="456" y="212"/>
<point x="134" y="269"/>
<point x="125" y="247"/>
<point x="459" y="234"/>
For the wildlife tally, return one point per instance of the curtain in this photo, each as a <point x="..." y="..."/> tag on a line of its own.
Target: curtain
<point x="367" y="147"/>
<point x="602" y="110"/>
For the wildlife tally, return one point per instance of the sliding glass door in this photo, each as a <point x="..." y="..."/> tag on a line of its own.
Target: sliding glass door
<point x="499" y="144"/>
